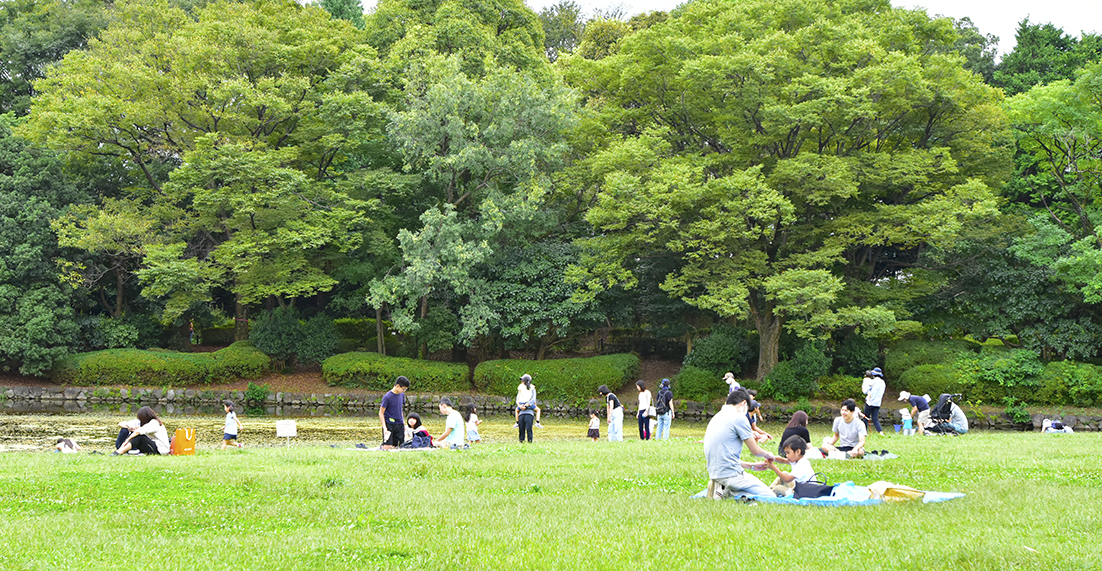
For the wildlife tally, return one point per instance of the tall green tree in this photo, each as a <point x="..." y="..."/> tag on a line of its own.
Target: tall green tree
<point x="563" y="27"/>
<point x="37" y="325"/>
<point x="796" y="154"/>
<point x="37" y="33"/>
<point x="1043" y="54"/>
<point x="351" y="10"/>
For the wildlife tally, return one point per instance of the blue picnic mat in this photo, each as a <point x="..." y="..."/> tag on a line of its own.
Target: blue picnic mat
<point x="845" y="494"/>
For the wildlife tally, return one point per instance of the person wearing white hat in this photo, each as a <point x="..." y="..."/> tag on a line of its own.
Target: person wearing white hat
<point x="920" y="409"/>
<point x="874" y="396"/>
<point x="732" y="383"/>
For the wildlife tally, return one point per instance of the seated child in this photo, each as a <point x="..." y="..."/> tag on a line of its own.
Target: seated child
<point x="416" y="434"/>
<point x="908" y="426"/>
<point x="794" y="450"/>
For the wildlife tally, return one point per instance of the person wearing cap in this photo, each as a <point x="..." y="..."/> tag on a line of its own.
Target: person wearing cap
<point x="663" y="405"/>
<point x="753" y="415"/>
<point x="873" y="387"/>
<point x="723" y="439"/>
<point x="526" y="407"/>
<point x="453" y="436"/>
<point x="732" y="383"/>
<point x="920" y="409"/>
<point x="391" y="415"/>
<point x="849" y="433"/>
<point x="525" y="392"/>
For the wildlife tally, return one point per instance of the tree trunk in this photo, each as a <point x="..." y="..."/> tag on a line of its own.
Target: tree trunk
<point x="240" y="319"/>
<point x="120" y="295"/>
<point x="768" y="324"/>
<point x="379" y="330"/>
<point x="424" y="351"/>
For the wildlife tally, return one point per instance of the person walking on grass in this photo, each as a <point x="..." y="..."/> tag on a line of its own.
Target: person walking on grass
<point x="873" y="387"/>
<point x="232" y="427"/>
<point x="391" y="415"/>
<point x="147" y="434"/>
<point x="453" y="426"/>
<point x="723" y="439"/>
<point x="614" y="412"/>
<point x="643" y="414"/>
<point x="663" y="406"/>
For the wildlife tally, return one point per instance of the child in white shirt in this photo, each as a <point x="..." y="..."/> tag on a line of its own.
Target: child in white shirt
<point x="794" y="450"/>
<point x="908" y="427"/>
<point x="233" y="426"/>
<point x="594" y="432"/>
<point x="472" y="425"/>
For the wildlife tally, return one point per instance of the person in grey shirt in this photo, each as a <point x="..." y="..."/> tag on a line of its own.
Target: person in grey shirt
<point x="849" y="433"/>
<point x="957" y="419"/>
<point x="723" y="440"/>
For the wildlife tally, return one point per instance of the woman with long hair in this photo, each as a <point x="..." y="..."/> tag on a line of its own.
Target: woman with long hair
<point x="147" y="434"/>
<point x="795" y="427"/>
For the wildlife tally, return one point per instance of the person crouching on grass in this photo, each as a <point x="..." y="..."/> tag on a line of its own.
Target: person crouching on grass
<point x="728" y="430"/>
<point x="149" y="436"/>
<point x="453" y="426"/>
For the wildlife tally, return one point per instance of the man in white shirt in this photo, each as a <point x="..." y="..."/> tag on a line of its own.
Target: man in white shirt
<point x="849" y="433"/>
<point x="453" y="436"/>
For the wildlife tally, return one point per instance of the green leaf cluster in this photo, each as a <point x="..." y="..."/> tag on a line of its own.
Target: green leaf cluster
<point x="570" y="379"/>
<point x="377" y="372"/>
<point x="169" y="369"/>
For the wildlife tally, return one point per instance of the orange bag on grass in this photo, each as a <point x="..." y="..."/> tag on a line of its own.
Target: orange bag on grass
<point x="183" y="443"/>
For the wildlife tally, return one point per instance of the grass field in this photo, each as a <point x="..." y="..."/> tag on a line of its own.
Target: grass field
<point x="1033" y="502"/>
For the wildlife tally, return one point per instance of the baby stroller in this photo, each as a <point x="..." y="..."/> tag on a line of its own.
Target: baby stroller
<point x="940" y="414"/>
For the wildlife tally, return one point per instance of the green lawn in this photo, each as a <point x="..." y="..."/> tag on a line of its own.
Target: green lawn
<point x="1033" y="502"/>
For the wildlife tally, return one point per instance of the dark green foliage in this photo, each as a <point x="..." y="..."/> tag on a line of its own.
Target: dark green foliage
<point x="37" y="325"/>
<point x="696" y="384"/>
<point x="563" y="27"/>
<point x="1015" y="410"/>
<point x="840" y="387"/>
<point x="257" y="393"/>
<point x="377" y="372"/>
<point x="319" y="340"/>
<point x="217" y="336"/>
<point x="1043" y="54"/>
<point x="797" y="377"/>
<point x="277" y="333"/>
<point x="163" y="368"/>
<point x="1063" y="380"/>
<point x="935" y="380"/>
<point x="360" y="330"/>
<point x="350" y="10"/>
<point x="908" y="354"/>
<point x="994" y="374"/>
<point x="726" y="349"/>
<point x="571" y="379"/>
<point x="856" y="354"/>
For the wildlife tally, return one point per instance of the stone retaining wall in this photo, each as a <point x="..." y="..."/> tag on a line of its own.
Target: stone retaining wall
<point x="23" y="399"/>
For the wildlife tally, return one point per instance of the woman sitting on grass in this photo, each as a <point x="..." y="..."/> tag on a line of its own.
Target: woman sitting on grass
<point x="146" y="434"/>
<point x="795" y="427"/>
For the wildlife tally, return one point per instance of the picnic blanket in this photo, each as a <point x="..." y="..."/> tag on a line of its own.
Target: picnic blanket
<point x="845" y="494"/>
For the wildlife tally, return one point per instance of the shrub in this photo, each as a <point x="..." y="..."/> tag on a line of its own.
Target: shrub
<point x="908" y="354"/>
<point x="277" y="333"/>
<point x="696" y="384"/>
<point x="839" y="387"/>
<point x="995" y="374"/>
<point x="118" y="334"/>
<point x="811" y="361"/>
<point x="1062" y="381"/>
<point x="164" y="368"/>
<point x="257" y="393"/>
<point x="933" y="380"/>
<point x="726" y="349"/>
<point x="319" y="340"/>
<point x="360" y="329"/>
<point x="377" y="372"/>
<point x="217" y="336"/>
<point x="856" y="354"/>
<point x="783" y="384"/>
<point x="571" y="379"/>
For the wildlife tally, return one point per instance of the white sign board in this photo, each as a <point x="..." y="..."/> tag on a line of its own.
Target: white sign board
<point x="286" y="429"/>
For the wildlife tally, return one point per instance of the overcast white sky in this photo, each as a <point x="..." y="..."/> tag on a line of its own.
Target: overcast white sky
<point x="998" y="17"/>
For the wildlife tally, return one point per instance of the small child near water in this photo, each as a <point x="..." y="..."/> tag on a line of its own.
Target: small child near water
<point x="67" y="446"/>
<point x="908" y="427"/>
<point x="594" y="432"/>
<point x="233" y="426"/>
<point x="472" y="424"/>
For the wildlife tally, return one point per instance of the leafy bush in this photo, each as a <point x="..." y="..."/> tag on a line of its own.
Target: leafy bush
<point x="856" y="354"/>
<point x="319" y="340"/>
<point x="933" y="380"/>
<point x="217" y="336"/>
<point x="783" y="384"/>
<point x="164" y="368"/>
<point x="811" y="361"/>
<point x="726" y="349"/>
<point x="1016" y="410"/>
<point x="277" y="333"/>
<point x="571" y="379"/>
<point x="908" y="354"/>
<point x="696" y="384"/>
<point x="377" y="372"/>
<point x="994" y="374"/>
<point x="1061" y="381"/>
<point x="360" y="329"/>
<point x="257" y="393"/>
<point x="839" y="387"/>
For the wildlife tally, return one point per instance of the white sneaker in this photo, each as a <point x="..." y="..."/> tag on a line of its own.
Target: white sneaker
<point x="516" y="425"/>
<point x="538" y="425"/>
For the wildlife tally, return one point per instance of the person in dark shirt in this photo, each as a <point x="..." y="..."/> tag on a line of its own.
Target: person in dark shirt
<point x="920" y="409"/>
<point x="795" y="427"/>
<point x="391" y="415"/>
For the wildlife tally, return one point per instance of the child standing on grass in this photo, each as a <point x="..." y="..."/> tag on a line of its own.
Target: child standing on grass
<point x="908" y="427"/>
<point x="233" y="426"/>
<point x="594" y="433"/>
<point x="472" y="425"/>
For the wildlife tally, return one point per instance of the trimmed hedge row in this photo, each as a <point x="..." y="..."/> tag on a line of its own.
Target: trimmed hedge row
<point x="360" y="370"/>
<point x="164" y="368"/>
<point x="569" y="379"/>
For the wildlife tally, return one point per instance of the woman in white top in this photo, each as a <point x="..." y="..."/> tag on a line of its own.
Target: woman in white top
<point x="644" y="410"/>
<point x="148" y="434"/>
